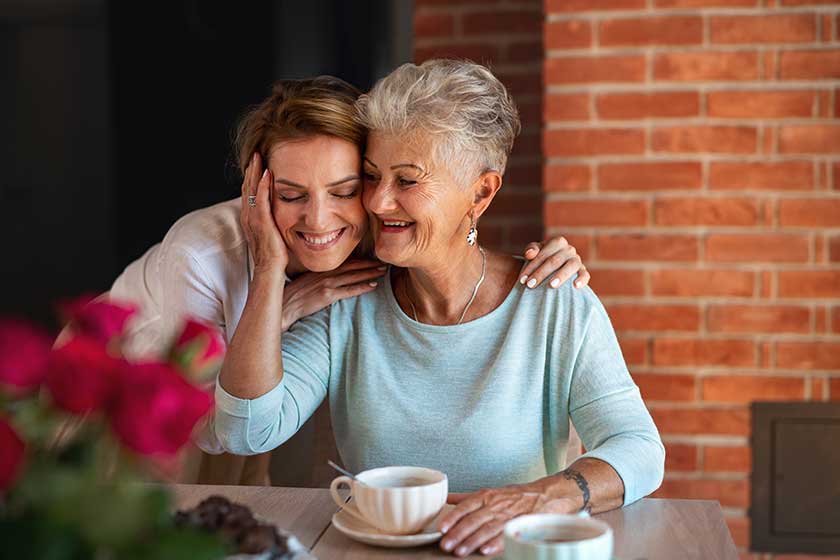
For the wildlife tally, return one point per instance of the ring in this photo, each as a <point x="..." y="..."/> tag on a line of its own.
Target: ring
<point x="252" y="200"/>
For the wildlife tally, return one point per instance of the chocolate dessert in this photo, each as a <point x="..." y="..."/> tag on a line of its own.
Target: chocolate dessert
<point x="237" y="525"/>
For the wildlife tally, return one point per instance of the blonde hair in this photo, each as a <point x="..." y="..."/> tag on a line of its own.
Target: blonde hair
<point x="459" y="105"/>
<point x="296" y="110"/>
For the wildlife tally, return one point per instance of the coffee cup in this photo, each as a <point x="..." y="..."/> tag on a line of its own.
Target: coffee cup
<point x="551" y="536"/>
<point x="395" y="500"/>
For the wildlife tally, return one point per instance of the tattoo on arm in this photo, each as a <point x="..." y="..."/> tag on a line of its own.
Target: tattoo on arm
<point x="572" y="474"/>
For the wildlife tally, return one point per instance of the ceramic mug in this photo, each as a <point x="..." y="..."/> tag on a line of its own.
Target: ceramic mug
<point x="395" y="500"/>
<point x="553" y="536"/>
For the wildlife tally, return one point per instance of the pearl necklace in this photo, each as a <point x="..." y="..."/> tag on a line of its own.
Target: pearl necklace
<point x="469" y="303"/>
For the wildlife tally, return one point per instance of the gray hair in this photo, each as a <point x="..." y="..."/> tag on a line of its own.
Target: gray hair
<point x="460" y="104"/>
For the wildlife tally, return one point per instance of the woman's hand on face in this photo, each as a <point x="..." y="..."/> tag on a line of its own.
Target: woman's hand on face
<point x="555" y="258"/>
<point x="264" y="239"/>
<point x="314" y="291"/>
<point x="479" y="518"/>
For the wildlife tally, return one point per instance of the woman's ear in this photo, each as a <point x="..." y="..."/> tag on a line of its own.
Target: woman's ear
<point x="485" y="189"/>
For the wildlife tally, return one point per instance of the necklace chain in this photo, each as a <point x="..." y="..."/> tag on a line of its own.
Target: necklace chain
<point x="469" y="303"/>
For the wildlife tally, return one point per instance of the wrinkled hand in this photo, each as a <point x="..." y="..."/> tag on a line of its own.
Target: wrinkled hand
<point x="314" y="291"/>
<point x="479" y="518"/>
<point x="549" y="257"/>
<point x="264" y="240"/>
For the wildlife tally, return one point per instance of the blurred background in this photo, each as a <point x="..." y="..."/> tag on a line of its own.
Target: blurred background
<point x="690" y="149"/>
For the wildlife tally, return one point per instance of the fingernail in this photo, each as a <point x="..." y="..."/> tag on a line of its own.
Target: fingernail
<point x="555" y="282"/>
<point x="487" y="550"/>
<point x="265" y="173"/>
<point x="372" y="284"/>
<point x="523" y="279"/>
<point x="578" y="284"/>
<point x="254" y="157"/>
<point x="532" y="282"/>
<point x="461" y="550"/>
<point x="447" y="545"/>
<point x="444" y="529"/>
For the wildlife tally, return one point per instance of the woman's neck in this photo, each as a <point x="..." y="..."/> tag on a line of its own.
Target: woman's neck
<point x="441" y="291"/>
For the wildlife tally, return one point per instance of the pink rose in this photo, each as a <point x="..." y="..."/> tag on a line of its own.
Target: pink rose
<point x="156" y="409"/>
<point x="11" y="454"/>
<point x="198" y="352"/>
<point x="24" y="352"/>
<point x="100" y="320"/>
<point x="82" y="375"/>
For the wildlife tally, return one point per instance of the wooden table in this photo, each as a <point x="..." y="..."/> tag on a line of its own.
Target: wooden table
<point x="651" y="529"/>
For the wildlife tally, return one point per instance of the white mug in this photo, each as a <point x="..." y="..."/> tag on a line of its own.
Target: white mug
<point x="395" y="500"/>
<point x="553" y="536"/>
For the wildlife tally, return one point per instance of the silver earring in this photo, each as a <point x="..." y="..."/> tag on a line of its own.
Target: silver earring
<point x="472" y="236"/>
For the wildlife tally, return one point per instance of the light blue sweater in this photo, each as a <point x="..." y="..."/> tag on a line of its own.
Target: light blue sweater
<point x="487" y="402"/>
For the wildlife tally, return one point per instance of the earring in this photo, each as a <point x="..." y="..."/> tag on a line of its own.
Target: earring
<point x="472" y="236"/>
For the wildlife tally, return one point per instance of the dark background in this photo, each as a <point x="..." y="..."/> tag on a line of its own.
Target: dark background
<point x="117" y="118"/>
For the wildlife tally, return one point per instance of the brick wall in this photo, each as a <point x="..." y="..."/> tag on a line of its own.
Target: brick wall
<point x="692" y="153"/>
<point x="507" y="36"/>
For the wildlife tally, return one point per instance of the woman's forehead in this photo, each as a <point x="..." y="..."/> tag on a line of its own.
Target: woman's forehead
<point x="386" y="149"/>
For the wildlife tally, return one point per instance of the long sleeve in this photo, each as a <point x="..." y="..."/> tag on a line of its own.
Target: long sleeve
<point x="607" y="409"/>
<point x="251" y="426"/>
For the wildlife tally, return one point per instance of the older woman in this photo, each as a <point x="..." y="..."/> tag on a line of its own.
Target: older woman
<point x="450" y="363"/>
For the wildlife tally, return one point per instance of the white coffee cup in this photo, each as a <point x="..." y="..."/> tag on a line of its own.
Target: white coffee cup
<point x="552" y="536"/>
<point x="395" y="500"/>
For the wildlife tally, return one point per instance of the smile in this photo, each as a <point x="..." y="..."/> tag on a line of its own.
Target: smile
<point x="321" y="241"/>
<point x="394" y="226"/>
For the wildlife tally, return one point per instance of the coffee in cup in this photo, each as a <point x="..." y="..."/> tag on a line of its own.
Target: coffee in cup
<point x="551" y="536"/>
<point x="395" y="500"/>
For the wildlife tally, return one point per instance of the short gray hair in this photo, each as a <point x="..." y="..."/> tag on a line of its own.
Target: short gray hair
<point x="465" y="109"/>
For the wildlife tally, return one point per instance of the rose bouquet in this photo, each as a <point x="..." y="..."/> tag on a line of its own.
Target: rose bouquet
<point x="81" y="427"/>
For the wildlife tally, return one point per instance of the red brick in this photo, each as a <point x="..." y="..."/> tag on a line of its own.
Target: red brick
<point x="696" y="211"/>
<point x="483" y="53"/>
<point x="694" y="282"/>
<point x="523" y="174"/>
<point x="531" y="116"/>
<point x="835" y="320"/>
<point x="567" y="178"/>
<point x="594" y="141"/>
<point x="617" y="281"/>
<point x="703" y="3"/>
<point x="705" y="139"/>
<point x="433" y="24"/>
<point x="567" y="106"/>
<point x="661" y="387"/>
<point x="727" y="459"/>
<point x="646" y="247"/>
<point x="647" y="176"/>
<point x="700" y="352"/>
<point x="588" y="212"/>
<point x="732" y="493"/>
<point x="631" y="317"/>
<point x="757" y="248"/>
<point x="809" y="212"/>
<point x="809" y="283"/>
<point x="568" y="34"/>
<point x="680" y="457"/>
<point x="513" y="203"/>
<point x="808" y="355"/>
<point x="677" y="30"/>
<point x="783" y="175"/>
<point x="634" y="350"/>
<point x="809" y="65"/>
<point x="495" y="22"/>
<point x="834" y="389"/>
<point x="739" y="528"/>
<point x="758" y="319"/>
<point x="521" y="83"/>
<point x="760" y="104"/>
<point x="525" y="51"/>
<point x="745" y="389"/>
<point x="765" y="28"/>
<point x="592" y="5"/>
<point x="582" y="243"/>
<point x="834" y="249"/>
<point x="649" y="104"/>
<point x="588" y="69"/>
<point x="693" y="421"/>
<point x="807" y="2"/>
<point x="705" y="66"/>
<point x="809" y="139"/>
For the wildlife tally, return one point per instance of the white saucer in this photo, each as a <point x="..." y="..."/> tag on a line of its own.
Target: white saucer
<point x="363" y="532"/>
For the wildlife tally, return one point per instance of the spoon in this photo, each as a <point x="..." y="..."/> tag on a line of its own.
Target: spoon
<point x="345" y="472"/>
